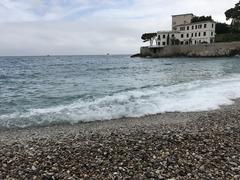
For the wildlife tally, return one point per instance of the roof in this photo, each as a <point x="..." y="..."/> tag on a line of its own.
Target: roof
<point x="189" y="24"/>
<point x="168" y="32"/>
<point x="183" y="14"/>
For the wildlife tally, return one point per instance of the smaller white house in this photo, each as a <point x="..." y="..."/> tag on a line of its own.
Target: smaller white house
<point x="186" y="33"/>
<point x="167" y="38"/>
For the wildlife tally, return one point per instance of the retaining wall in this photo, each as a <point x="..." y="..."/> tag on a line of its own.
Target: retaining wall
<point x="200" y="50"/>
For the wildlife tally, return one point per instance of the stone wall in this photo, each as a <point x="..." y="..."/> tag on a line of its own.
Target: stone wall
<point x="200" y="50"/>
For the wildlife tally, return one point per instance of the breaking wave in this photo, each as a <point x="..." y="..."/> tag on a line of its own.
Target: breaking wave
<point x="185" y="97"/>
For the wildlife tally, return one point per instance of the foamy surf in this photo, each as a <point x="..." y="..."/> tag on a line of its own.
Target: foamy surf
<point x="185" y="97"/>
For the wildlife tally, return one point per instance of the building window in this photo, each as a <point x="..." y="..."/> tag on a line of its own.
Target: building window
<point x="172" y="35"/>
<point x="200" y="41"/>
<point x="195" y="42"/>
<point x="211" y="33"/>
<point x="159" y="43"/>
<point x="187" y="27"/>
<point x="181" y="42"/>
<point x="199" y="26"/>
<point x="186" y="42"/>
<point x="212" y="25"/>
<point x="182" y="28"/>
<point x="163" y="36"/>
<point x="204" y="33"/>
<point x="163" y="43"/>
<point x="195" y="26"/>
<point x="205" y="25"/>
<point x="192" y="27"/>
<point x="195" y="34"/>
<point x="182" y="35"/>
<point x="192" y="34"/>
<point x="187" y="35"/>
<point x="199" y="34"/>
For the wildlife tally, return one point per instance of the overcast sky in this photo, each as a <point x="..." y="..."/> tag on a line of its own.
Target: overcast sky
<point x="41" y="27"/>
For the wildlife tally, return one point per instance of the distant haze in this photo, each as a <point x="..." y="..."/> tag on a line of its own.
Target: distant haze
<point x="63" y="27"/>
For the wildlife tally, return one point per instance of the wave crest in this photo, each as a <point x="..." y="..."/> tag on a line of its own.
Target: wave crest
<point x="186" y="97"/>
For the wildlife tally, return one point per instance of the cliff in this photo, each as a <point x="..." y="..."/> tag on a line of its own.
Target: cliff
<point x="200" y="50"/>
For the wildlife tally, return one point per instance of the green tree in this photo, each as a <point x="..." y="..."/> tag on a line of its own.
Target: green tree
<point x="222" y="28"/>
<point x="148" y="36"/>
<point x="201" y="18"/>
<point x="233" y="13"/>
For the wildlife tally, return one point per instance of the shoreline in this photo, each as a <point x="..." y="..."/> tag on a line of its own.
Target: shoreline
<point x="163" y="146"/>
<point x="127" y="122"/>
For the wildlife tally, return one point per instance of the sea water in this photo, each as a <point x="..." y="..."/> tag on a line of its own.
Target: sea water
<point x="36" y="91"/>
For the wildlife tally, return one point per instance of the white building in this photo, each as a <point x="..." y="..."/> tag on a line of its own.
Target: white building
<point x="184" y="32"/>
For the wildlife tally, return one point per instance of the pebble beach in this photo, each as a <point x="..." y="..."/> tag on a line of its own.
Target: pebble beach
<point x="193" y="145"/>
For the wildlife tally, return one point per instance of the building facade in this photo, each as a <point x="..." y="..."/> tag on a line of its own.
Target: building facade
<point x="181" y="19"/>
<point x="184" y="32"/>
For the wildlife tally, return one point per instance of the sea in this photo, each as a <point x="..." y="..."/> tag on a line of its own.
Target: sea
<point x="41" y="91"/>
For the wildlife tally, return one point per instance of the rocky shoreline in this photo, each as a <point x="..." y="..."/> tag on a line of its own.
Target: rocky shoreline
<point x="196" y="145"/>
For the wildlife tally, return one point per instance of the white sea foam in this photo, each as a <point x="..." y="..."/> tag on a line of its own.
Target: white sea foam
<point x="186" y="97"/>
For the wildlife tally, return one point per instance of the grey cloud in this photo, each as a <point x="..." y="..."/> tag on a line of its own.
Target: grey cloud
<point x="107" y="30"/>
